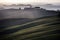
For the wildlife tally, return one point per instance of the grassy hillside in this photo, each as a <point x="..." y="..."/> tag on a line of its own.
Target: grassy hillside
<point x="46" y="28"/>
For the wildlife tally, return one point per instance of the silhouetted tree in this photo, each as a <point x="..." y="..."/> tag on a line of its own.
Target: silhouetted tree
<point x="37" y="7"/>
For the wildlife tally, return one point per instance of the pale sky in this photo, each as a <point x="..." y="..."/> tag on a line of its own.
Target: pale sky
<point x="28" y="1"/>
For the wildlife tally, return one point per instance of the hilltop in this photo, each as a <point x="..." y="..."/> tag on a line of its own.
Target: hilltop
<point x="26" y="13"/>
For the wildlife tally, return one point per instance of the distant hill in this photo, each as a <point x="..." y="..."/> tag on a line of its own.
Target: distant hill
<point x="26" y="13"/>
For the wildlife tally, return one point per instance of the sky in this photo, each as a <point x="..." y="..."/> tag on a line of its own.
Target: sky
<point x="28" y="1"/>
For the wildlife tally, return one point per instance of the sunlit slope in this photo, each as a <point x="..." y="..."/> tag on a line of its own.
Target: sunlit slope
<point x="44" y="28"/>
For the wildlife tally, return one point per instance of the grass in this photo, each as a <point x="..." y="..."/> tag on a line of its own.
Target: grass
<point x="34" y="30"/>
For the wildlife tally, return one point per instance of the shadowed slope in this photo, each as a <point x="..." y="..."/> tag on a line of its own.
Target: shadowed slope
<point x="39" y="29"/>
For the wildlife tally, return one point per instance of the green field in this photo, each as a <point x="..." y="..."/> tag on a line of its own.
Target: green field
<point x="40" y="29"/>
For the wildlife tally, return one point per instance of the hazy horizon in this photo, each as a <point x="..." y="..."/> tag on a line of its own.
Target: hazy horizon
<point x="9" y="2"/>
<point x="41" y="3"/>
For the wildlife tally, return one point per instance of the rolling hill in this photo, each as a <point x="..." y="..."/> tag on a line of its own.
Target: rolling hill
<point x="40" y="29"/>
